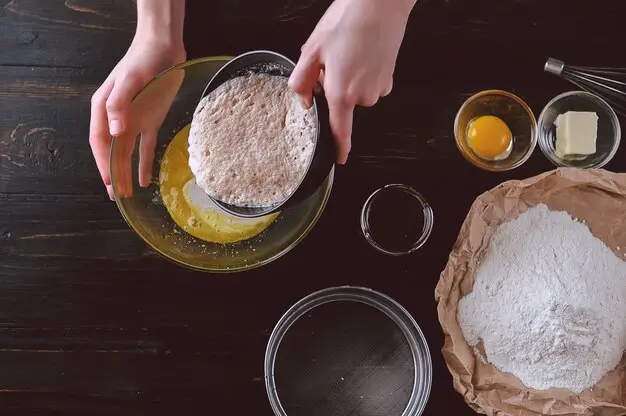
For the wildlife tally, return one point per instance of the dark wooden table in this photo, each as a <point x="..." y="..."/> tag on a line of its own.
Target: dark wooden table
<point x="93" y="322"/>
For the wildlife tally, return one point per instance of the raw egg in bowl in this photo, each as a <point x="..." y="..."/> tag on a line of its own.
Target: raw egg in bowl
<point x="495" y="130"/>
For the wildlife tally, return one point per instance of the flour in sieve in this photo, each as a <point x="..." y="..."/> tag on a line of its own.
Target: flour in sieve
<point x="548" y="302"/>
<point x="250" y="142"/>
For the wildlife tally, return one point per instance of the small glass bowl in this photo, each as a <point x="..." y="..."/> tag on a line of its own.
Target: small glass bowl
<point x="514" y="112"/>
<point x="609" y="131"/>
<point x="402" y="208"/>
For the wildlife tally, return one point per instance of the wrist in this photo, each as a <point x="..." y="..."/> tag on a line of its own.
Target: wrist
<point x="174" y="49"/>
<point x="161" y="19"/>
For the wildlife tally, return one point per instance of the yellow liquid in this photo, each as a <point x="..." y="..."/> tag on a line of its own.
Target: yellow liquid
<point x="206" y="223"/>
<point x="489" y="137"/>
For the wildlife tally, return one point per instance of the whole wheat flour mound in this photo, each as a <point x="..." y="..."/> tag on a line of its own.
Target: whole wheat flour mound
<point x="595" y="197"/>
<point x="251" y="142"/>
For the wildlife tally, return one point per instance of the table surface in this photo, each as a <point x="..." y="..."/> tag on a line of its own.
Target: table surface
<point x="92" y="321"/>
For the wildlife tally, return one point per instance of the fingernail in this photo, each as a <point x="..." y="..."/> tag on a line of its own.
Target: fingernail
<point x="110" y="192"/>
<point x="115" y="127"/>
<point x="346" y="152"/>
<point x="305" y="103"/>
<point x="146" y="181"/>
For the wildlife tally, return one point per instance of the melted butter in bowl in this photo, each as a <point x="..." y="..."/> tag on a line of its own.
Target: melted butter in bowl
<point x="193" y="210"/>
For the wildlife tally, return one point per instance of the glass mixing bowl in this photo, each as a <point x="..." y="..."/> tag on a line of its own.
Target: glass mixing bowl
<point x="169" y="101"/>
<point x="347" y="351"/>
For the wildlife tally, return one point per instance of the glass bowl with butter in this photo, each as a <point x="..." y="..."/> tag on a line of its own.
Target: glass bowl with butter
<point x="495" y="130"/>
<point x="578" y="129"/>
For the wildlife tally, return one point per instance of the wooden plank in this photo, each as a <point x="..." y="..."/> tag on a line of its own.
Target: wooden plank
<point x="44" y="128"/>
<point x="443" y="37"/>
<point x="72" y="33"/>
<point x="88" y="33"/>
<point x="103" y="377"/>
<point x="93" y="33"/>
<point x="81" y="228"/>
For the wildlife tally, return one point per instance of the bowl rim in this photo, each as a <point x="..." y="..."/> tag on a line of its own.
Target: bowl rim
<point x="527" y="109"/>
<point x="617" y="130"/>
<point x="329" y="181"/>
<point x="422" y="362"/>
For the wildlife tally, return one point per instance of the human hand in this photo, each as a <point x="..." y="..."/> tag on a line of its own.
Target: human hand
<point x="147" y="56"/>
<point x="352" y="52"/>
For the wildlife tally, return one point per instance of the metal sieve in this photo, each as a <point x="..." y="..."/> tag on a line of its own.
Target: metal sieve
<point x="321" y="163"/>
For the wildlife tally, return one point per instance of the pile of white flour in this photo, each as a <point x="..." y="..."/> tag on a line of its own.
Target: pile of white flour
<point x="251" y="142"/>
<point x="549" y="302"/>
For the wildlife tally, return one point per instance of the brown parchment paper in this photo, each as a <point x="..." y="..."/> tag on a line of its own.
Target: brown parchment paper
<point x="598" y="198"/>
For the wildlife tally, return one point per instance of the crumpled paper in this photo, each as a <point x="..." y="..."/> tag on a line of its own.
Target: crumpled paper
<point x="598" y="198"/>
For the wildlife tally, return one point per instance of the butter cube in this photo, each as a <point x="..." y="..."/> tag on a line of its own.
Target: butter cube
<point x="576" y="133"/>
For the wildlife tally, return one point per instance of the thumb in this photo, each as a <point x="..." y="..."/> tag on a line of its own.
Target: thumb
<point x="118" y="103"/>
<point x="304" y="78"/>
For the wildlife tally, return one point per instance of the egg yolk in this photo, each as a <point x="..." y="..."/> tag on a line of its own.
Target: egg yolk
<point x="204" y="221"/>
<point x="489" y="137"/>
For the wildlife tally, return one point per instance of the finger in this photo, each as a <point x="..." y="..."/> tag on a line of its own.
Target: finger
<point x="369" y="100"/>
<point x="305" y="76"/>
<point x="387" y="90"/>
<point x="147" y="146"/>
<point x="118" y="103"/>
<point x="99" y="137"/>
<point x="110" y="192"/>
<point x="122" y="174"/>
<point x="341" y="115"/>
<point x="322" y="77"/>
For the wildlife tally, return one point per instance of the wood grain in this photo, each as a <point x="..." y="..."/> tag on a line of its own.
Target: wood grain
<point x="44" y="131"/>
<point x="65" y="33"/>
<point x="93" y="322"/>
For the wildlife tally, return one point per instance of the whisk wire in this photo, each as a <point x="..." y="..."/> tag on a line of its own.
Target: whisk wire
<point x="596" y="77"/>
<point x="609" y="83"/>
<point x="597" y="83"/>
<point x="599" y="70"/>
<point x="609" y="96"/>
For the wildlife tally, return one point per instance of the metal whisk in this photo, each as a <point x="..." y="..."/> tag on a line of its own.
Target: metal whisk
<point x="608" y="83"/>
